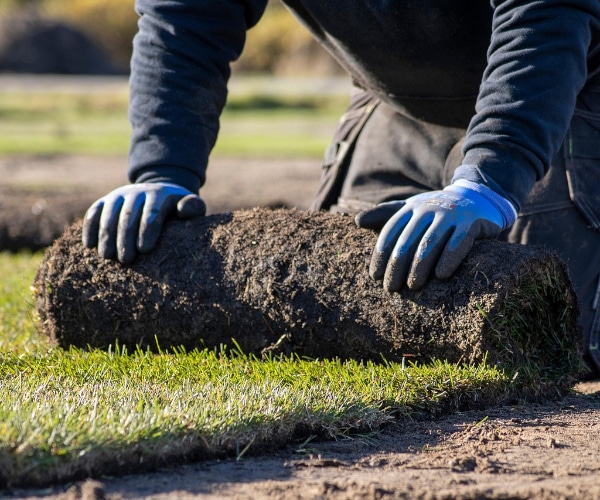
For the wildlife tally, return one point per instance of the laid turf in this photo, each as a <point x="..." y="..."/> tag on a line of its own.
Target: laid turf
<point x="67" y="414"/>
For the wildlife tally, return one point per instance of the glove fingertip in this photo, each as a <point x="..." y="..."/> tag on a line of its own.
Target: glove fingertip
<point x="444" y="270"/>
<point x="107" y="248"/>
<point x="126" y="247"/>
<point x="377" y="217"/>
<point x="416" y="282"/>
<point x="377" y="266"/>
<point x="89" y="237"/>
<point x="126" y="257"/>
<point x="147" y="241"/>
<point x="191" y="206"/>
<point x="392" y="282"/>
<point x="91" y="226"/>
<point x="149" y="233"/>
<point x="396" y="272"/>
<point x="453" y="257"/>
<point x="365" y="220"/>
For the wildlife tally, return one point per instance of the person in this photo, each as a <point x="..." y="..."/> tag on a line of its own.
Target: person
<point x="468" y="120"/>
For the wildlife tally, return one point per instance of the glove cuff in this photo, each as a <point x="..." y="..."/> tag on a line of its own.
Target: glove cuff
<point x="504" y="207"/>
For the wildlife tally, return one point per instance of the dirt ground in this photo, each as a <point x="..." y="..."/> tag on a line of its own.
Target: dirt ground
<point x="545" y="450"/>
<point x="40" y="195"/>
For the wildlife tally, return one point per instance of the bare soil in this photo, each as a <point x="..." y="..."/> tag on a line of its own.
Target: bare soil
<point x="526" y="451"/>
<point x="41" y="195"/>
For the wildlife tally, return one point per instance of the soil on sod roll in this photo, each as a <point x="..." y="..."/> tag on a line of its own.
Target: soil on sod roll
<point x="286" y="281"/>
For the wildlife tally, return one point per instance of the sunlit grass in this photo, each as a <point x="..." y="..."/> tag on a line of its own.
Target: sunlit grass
<point x="17" y="323"/>
<point x="64" y="413"/>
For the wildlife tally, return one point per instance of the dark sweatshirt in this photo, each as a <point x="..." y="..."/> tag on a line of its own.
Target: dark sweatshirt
<point x="426" y="58"/>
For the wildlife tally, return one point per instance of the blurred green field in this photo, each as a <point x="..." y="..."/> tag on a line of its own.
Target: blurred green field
<point x="49" y="123"/>
<point x="96" y="123"/>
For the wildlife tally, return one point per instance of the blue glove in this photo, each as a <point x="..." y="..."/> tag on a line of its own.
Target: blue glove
<point x="431" y="233"/>
<point x="129" y="219"/>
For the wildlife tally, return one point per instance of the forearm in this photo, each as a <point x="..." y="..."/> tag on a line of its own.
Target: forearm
<point x="178" y="84"/>
<point x="536" y="68"/>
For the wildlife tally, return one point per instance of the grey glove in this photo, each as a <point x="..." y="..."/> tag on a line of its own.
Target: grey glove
<point x="129" y="219"/>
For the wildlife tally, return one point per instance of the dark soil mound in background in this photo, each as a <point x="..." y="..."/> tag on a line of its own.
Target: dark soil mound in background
<point x="41" y="195"/>
<point x="31" y="43"/>
<point x="286" y="281"/>
<point x="31" y="219"/>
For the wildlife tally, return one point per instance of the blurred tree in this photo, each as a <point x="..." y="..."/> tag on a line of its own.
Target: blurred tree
<point x="278" y="44"/>
<point x="112" y="23"/>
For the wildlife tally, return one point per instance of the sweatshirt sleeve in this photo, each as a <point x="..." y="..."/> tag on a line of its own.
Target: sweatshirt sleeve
<point x="178" y="84"/>
<point x="537" y="65"/>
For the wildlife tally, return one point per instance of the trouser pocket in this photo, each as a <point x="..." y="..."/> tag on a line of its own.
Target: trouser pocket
<point x="393" y="157"/>
<point x="337" y="154"/>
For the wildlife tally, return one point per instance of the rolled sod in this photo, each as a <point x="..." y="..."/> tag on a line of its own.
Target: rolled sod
<point x="287" y="281"/>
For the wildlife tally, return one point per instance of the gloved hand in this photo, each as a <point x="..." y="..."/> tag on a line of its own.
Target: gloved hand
<point x="431" y="233"/>
<point x="129" y="219"/>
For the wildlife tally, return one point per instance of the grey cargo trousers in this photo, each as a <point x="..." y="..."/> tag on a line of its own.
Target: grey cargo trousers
<point x="378" y="154"/>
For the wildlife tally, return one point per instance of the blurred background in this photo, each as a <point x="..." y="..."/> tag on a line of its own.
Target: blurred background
<point x="64" y="131"/>
<point x="94" y="37"/>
